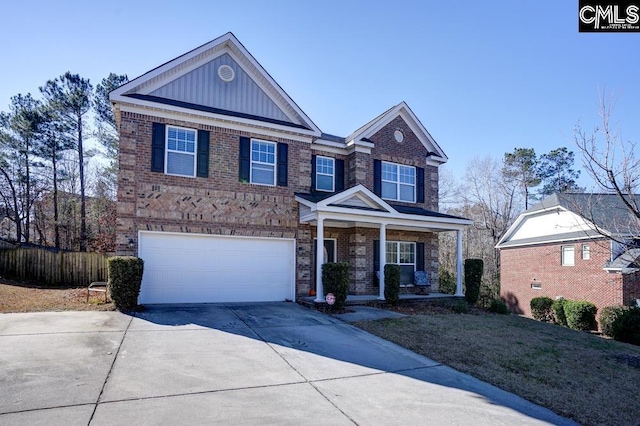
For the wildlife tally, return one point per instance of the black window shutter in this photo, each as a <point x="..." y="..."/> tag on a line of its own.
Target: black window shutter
<point x="339" y="175"/>
<point x="283" y="164"/>
<point x="202" y="168"/>
<point x="313" y="172"/>
<point x="420" y="185"/>
<point x="419" y="256"/>
<point x="157" y="147"/>
<point x="377" y="177"/>
<point x="376" y="261"/>
<point x="245" y="156"/>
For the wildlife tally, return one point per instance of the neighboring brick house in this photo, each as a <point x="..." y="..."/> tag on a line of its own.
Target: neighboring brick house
<point x="225" y="185"/>
<point x="576" y="246"/>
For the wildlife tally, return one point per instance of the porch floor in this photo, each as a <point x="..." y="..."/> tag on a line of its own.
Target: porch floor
<point x="365" y="299"/>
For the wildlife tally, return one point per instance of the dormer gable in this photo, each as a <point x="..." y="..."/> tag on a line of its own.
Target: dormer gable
<point x="433" y="153"/>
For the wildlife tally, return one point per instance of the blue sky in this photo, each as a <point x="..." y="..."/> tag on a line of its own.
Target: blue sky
<point x="483" y="77"/>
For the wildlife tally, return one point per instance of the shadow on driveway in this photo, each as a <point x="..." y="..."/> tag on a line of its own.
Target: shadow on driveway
<point x="351" y="367"/>
<point x="259" y="363"/>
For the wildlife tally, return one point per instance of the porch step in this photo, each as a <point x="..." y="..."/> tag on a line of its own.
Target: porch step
<point x="372" y="300"/>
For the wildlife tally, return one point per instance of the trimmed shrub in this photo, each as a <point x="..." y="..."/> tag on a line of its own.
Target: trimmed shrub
<point x="558" y="312"/>
<point x="621" y="323"/>
<point x="498" y="306"/>
<point x="446" y="281"/>
<point x="460" y="307"/>
<point x="610" y="319"/>
<point x="541" y="308"/>
<point x="581" y="315"/>
<point x="473" y="279"/>
<point x="392" y="283"/>
<point x="335" y="279"/>
<point x="125" y="279"/>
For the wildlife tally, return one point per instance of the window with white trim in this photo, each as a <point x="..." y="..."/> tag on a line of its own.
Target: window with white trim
<point x="181" y="151"/>
<point x="325" y="174"/>
<point x="586" y="252"/>
<point x="398" y="182"/>
<point x="263" y="162"/>
<point x="402" y="254"/>
<point x="568" y="256"/>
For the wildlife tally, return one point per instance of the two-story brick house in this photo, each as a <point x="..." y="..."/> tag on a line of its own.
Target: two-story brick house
<point x="576" y="246"/>
<point x="226" y="186"/>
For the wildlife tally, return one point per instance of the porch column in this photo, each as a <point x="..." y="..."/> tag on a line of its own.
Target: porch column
<point x="319" y="259"/>
<point x="383" y="257"/>
<point x="459" y="264"/>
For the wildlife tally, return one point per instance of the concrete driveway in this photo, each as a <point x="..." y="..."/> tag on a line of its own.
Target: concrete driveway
<point x="231" y="364"/>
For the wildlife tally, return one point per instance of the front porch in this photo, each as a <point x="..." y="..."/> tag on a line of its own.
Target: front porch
<point x="361" y="221"/>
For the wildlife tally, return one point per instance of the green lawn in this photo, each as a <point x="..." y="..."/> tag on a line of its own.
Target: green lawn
<point x="578" y="375"/>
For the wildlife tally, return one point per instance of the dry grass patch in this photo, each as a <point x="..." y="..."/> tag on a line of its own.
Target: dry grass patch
<point x="19" y="297"/>
<point x="575" y="374"/>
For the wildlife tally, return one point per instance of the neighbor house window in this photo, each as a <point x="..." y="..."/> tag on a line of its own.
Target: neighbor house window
<point x="403" y="254"/>
<point x="325" y="172"/>
<point x="263" y="162"/>
<point x="586" y="252"/>
<point x="181" y="151"/>
<point x="398" y="182"/>
<point x="568" y="256"/>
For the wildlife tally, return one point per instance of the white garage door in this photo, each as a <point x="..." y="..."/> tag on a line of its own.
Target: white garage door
<point x="187" y="268"/>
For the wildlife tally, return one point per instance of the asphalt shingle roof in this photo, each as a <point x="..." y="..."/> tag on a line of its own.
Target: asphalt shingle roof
<point x="606" y="211"/>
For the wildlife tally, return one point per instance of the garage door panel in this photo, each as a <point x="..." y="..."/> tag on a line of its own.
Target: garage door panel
<point x="183" y="268"/>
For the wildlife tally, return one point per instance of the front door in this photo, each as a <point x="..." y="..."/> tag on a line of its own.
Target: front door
<point x="328" y="254"/>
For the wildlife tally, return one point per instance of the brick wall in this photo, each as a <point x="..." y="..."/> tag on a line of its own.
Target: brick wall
<point x="409" y="152"/>
<point x="219" y="204"/>
<point x="541" y="265"/>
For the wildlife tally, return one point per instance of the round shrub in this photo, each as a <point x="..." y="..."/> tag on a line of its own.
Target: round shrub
<point x="446" y="281"/>
<point x="541" y="308"/>
<point x="392" y="283"/>
<point x="621" y="323"/>
<point x="610" y="320"/>
<point x="125" y="279"/>
<point x="630" y="327"/>
<point x="460" y="307"/>
<point x="581" y="315"/>
<point x="498" y="306"/>
<point x="558" y="312"/>
<point x="335" y="279"/>
<point x="472" y="279"/>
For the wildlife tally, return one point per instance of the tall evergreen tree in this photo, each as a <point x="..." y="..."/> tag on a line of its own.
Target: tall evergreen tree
<point x="19" y="134"/>
<point x="55" y="140"/>
<point x="70" y="95"/>
<point x="521" y="166"/>
<point x="107" y="130"/>
<point x="557" y="173"/>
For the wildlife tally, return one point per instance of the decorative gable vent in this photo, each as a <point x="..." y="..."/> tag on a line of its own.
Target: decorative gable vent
<point x="226" y="73"/>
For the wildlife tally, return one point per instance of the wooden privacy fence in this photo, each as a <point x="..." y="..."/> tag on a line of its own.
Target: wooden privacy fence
<point x="46" y="268"/>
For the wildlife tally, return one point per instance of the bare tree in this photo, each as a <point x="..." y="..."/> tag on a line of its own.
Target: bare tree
<point x="492" y="199"/>
<point x="610" y="160"/>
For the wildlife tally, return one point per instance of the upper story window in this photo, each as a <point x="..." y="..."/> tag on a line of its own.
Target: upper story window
<point x="263" y="162"/>
<point x="398" y="182"/>
<point x="586" y="252"/>
<point x="181" y="151"/>
<point x="568" y="256"/>
<point x="325" y="174"/>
